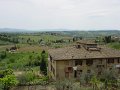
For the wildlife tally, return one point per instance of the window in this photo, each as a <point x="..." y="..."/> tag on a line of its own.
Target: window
<point x="75" y="74"/>
<point x="110" y="60"/>
<point x="99" y="73"/>
<point x="88" y="71"/>
<point x="78" y="62"/>
<point x="100" y="66"/>
<point x="70" y="69"/>
<point x="100" y="61"/>
<point x="79" y="72"/>
<point x="110" y="68"/>
<point x="89" y="62"/>
<point x="118" y="70"/>
<point x="118" y="60"/>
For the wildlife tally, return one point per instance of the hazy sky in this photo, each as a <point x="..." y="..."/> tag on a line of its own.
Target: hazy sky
<point x="60" y="14"/>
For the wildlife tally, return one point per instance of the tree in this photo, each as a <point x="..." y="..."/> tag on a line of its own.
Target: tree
<point x="31" y="61"/>
<point x="43" y="64"/>
<point x="82" y="79"/>
<point x="88" y="77"/>
<point x="107" y="39"/>
<point x="37" y="61"/>
<point x="109" y="78"/>
<point x="95" y="82"/>
<point x="74" y="39"/>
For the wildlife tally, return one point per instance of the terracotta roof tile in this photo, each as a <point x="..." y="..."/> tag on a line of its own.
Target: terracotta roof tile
<point x="72" y="52"/>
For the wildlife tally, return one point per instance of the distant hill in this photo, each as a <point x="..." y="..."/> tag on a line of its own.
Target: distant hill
<point x="13" y="30"/>
<point x="66" y="32"/>
<point x="93" y="33"/>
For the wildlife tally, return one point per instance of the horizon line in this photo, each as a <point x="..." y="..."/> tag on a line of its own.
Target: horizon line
<point x="58" y="29"/>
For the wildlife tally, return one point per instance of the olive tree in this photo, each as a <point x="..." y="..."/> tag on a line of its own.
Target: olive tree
<point x="109" y="78"/>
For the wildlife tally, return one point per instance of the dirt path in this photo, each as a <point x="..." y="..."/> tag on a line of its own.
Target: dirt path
<point x="18" y="73"/>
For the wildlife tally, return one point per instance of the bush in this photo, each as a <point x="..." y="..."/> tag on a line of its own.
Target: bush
<point x="12" y="60"/>
<point x="3" y="55"/>
<point x="8" y="81"/>
<point x="7" y="72"/>
<point x="27" y="77"/>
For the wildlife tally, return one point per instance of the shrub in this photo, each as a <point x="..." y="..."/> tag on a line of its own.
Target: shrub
<point x="3" y="55"/>
<point x="8" y="81"/>
<point x="27" y="77"/>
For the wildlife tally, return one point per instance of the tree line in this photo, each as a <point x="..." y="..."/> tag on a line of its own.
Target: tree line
<point x="12" y="39"/>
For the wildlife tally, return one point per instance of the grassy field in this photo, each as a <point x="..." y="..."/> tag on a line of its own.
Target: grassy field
<point x="19" y="60"/>
<point x="44" y="37"/>
<point x="115" y="45"/>
<point x="5" y="43"/>
<point x="22" y="47"/>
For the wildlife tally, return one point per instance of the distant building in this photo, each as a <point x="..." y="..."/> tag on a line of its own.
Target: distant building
<point x="13" y="49"/>
<point x="84" y="57"/>
<point x="115" y="38"/>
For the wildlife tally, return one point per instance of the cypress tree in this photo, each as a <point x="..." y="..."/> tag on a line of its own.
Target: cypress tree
<point x="43" y="65"/>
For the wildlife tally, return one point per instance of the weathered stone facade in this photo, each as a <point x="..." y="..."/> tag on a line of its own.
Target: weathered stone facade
<point x="71" y="62"/>
<point x="65" y="68"/>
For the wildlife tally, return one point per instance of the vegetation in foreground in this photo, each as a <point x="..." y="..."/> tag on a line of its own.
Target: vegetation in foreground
<point x="108" y="80"/>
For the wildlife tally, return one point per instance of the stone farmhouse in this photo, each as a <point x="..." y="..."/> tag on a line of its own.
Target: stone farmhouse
<point x="83" y="57"/>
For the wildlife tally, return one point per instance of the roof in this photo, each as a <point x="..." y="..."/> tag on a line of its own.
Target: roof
<point x="72" y="52"/>
<point x="86" y="42"/>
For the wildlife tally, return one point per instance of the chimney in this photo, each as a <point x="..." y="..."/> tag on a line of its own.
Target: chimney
<point x="78" y="46"/>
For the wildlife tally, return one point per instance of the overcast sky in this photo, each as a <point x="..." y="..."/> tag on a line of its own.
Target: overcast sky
<point x="60" y="14"/>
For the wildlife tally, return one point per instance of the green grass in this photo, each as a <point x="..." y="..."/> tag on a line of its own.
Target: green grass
<point x="115" y="45"/>
<point x="44" y="37"/>
<point x="5" y="42"/>
<point x="22" y="38"/>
